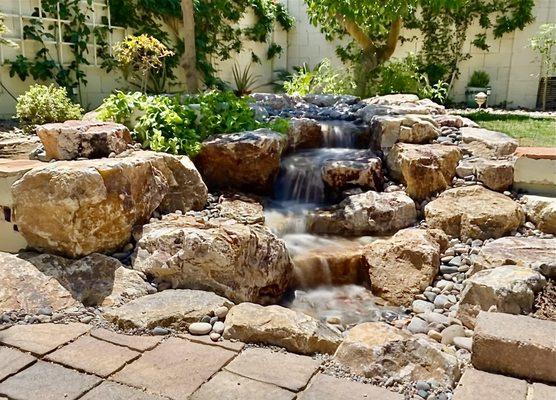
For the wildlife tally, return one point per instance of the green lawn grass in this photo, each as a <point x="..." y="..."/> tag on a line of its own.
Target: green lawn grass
<point x="529" y="131"/>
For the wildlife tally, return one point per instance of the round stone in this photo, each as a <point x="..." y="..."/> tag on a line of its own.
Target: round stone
<point x="200" y="328"/>
<point x="417" y="325"/>
<point x="463" y="343"/>
<point x="421" y="306"/>
<point x="215" y="337"/>
<point x="221" y="312"/>
<point x="218" y="327"/>
<point x="451" y="332"/>
<point x="160" y="331"/>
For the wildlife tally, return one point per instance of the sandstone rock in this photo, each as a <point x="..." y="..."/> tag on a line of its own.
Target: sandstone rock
<point x="389" y="129"/>
<point x="175" y="309"/>
<point x="361" y="169"/>
<point x="304" y="133"/>
<point x="241" y="262"/>
<point x="34" y="281"/>
<point x="377" y="349"/>
<point x="424" y="169"/>
<point x="541" y="211"/>
<point x="246" y="211"/>
<point x="453" y="121"/>
<point x="528" y="252"/>
<point x="90" y="139"/>
<point x="279" y="326"/>
<point x="494" y="174"/>
<point x="405" y="104"/>
<point x="247" y="161"/>
<point x="482" y="142"/>
<point x="404" y="265"/>
<point x="509" y="288"/>
<point x="275" y="101"/>
<point x="81" y="207"/>
<point x="363" y="214"/>
<point x="17" y="146"/>
<point x="474" y="212"/>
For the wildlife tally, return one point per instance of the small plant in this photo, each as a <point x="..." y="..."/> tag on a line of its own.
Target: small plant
<point x="323" y="79"/>
<point x="140" y="57"/>
<point x="44" y="104"/>
<point x="3" y="31"/>
<point x="479" y="79"/>
<point x="543" y="43"/>
<point x="398" y="76"/>
<point x="244" y="80"/>
<point x="437" y="92"/>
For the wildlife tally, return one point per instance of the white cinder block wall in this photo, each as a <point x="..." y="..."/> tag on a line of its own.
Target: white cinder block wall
<point x="510" y="63"/>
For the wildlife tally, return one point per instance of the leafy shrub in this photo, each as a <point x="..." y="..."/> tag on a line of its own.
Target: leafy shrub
<point x="321" y="79"/>
<point x="396" y="76"/>
<point x="479" y="79"/>
<point x="178" y="124"/>
<point x="44" y="104"/>
<point x="437" y="92"/>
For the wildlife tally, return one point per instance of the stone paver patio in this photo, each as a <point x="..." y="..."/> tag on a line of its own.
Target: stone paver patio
<point x="73" y="361"/>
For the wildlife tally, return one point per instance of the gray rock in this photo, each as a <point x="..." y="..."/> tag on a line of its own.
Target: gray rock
<point x="451" y="332"/>
<point x="421" y="306"/>
<point x="417" y="325"/>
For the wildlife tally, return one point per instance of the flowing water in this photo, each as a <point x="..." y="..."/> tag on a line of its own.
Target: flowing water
<point x="329" y="273"/>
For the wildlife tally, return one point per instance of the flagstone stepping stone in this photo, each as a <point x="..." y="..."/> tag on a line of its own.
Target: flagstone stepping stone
<point x="134" y="342"/>
<point x="114" y="391"/>
<point x="12" y="361"/>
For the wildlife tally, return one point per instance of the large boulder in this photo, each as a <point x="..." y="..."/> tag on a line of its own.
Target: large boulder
<point x="495" y="174"/>
<point x="404" y="265"/>
<point x="242" y="209"/>
<point x="304" y="133"/>
<point x="424" y="169"/>
<point x="510" y="289"/>
<point x="359" y="169"/>
<point x="243" y="262"/>
<point x="365" y="214"/>
<point x="482" y="142"/>
<point x="474" y="212"/>
<point x="176" y="309"/>
<point x="247" y="161"/>
<point x="386" y="130"/>
<point x="542" y="211"/>
<point x="376" y="349"/>
<point x="89" y="139"/>
<point x="81" y="207"/>
<point x="528" y="252"/>
<point x="279" y="326"/>
<point x="34" y="281"/>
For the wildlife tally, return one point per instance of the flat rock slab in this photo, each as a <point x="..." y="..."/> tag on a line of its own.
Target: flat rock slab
<point x="228" y="386"/>
<point x="114" y="391"/>
<point x="42" y="338"/>
<point x="175" y="368"/>
<point x="539" y="391"/>
<point x="482" y="142"/>
<point x="235" y="345"/>
<point x="170" y="308"/>
<point x="47" y="381"/>
<point x="93" y="356"/>
<point x="330" y="388"/>
<point x="475" y="385"/>
<point x="12" y="361"/>
<point x="515" y="345"/>
<point x="139" y="343"/>
<point x="287" y="370"/>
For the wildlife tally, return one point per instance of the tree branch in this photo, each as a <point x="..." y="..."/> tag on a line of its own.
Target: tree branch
<point x="355" y="32"/>
<point x="392" y="41"/>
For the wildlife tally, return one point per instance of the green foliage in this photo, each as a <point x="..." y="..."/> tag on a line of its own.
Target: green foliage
<point x="45" y="104"/>
<point x="245" y="81"/>
<point x="437" y="92"/>
<point x="140" y="56"/>
<point x="218" y="34"/>
<point x="396" y="76"/>
<point x="479" y="79"/>
<point x="3" y="31"/>
<point x="177" y="124"/>
<point x="323" y="78"/>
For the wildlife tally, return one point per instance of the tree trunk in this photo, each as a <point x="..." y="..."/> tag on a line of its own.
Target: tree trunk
<point x="189" y="60"/>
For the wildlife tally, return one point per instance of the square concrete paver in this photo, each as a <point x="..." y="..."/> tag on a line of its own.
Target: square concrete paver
<point x="94" y="356"/>
<point x="540" y="391"/>
<point x="42" y="338"/>
<point x="175" y="368"/>
<point x="330" y="388"/>
<point x="228" y="386"/>
<point x="12" y="361"/>
<point x="227" y="344"/>
<point x="46" y="381"/>
<point x="114" y="391"/>
<point x="139" y="343"/>
<point x="287" y="370"/>
<point x="475" y="385"/>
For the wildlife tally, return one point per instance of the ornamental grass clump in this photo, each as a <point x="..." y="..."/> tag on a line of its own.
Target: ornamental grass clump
<point x="45" y="104"/>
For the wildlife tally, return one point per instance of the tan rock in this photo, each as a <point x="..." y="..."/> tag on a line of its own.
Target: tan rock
<point x="474" y="212"/>
<point x="304" y="133"/>
<point x="515" y="345"/>
<point x="377" y="349"/>
<point x="454" y="121"/>
<point x="17" y="146"/>
<point x="361" y="169"/>
<point x="246" y="211"/>
<point x="482" y="142"/>
<point x="363" y="214"/>
<point x="475" y="385"/>
<point x="510" y="289"/>
<point x="279" y="326"/>
<point x="496" y="175"/>
<point x="90" y="139"/>
<point x="239" y="261"/>
<point x="390" y="129"/>
<point x="247" y="161"/>
<point x="404" y="265"/>
<point x="424" y="169"/>
<point x="541" y="210"/>
<point x="171" y="308"/>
